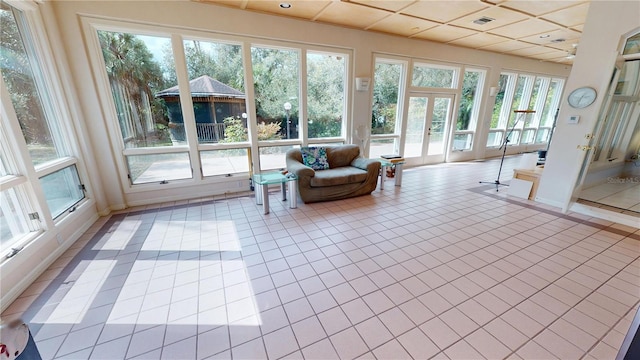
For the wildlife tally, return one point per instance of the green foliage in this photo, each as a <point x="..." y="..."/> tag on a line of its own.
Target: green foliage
<point x="385" y="98"/>
<point x="497" y="108"/>
<point x="325" y="95"/>
<point x="432" y="77"/>
<point x="222" y="62"/>
<point x="269" y="131"/>
<point x="135" y="78"/>
<point x="469" y="86"/>
<point x="276" y="81"/>
<point x="234" y="131"/>
<point x="18" y="78"/>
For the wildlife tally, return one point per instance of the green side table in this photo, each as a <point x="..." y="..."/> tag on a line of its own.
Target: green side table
<point x="262" y="182"/>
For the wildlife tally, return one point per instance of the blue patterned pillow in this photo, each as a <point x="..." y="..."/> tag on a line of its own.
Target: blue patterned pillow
<point x="315" y="157"/>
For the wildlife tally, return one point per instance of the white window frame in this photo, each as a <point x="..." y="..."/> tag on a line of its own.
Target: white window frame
<point x="506" y="111"/>
<point x="455" y="81"/>
<point x="477" y="103"/>
<point x="343" y="131"/>
<point x="398" y="134"/>
<point x="23" y="176"/>
<point x="90" y="27"/>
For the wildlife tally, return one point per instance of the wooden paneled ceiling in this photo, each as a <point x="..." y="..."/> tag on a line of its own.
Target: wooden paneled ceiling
<point x="546" y="30"/>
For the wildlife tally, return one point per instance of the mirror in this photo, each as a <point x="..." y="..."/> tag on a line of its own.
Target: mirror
<point x="611" y="180"/>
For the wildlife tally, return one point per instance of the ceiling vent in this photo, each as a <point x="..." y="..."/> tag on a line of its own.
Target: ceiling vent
<point x="483" y="20"/>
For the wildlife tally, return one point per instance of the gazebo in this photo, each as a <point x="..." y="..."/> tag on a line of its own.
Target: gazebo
<point x="213" y="102"/>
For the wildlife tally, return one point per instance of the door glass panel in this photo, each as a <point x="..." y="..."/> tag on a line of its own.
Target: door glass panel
<point x="326" y="76"/>
<point x="22" y="76"/>
<point x="386" y="86"/>
<point x="224" y="162"/>
<point x="437" y="139"/>
<point x="216" y="83"/>
<point x="609" y="121"/>
<point x="621" y="129"/>
<point x="62" y="190"/>
<point x="144" y="87"/>
<point x="276" y="85"/>
<point x="158" y="168"/>
<point x="416" y="118"/>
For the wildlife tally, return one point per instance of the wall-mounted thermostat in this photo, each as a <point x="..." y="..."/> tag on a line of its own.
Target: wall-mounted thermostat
<point x="362" y="83"/>
<point x="573" y="119"/>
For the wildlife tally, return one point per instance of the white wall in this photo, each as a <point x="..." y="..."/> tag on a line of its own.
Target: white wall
<point x="606" y="22"/>
<point x="218" y="19"/>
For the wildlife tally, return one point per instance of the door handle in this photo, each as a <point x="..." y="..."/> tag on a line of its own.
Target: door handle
<point x="585" y="147"/>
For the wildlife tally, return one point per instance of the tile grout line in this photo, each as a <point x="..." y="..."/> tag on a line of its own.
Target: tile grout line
<point x="634" y="308"/>
<point x="584" y="298"/>
<point x="503" y="258"/>
<point x="432" y="289"/>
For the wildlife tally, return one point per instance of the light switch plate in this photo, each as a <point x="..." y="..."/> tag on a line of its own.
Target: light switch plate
<point x="574" y="119"/>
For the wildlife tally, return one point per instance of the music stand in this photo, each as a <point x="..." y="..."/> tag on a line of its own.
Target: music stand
<point x="520" y="115"/>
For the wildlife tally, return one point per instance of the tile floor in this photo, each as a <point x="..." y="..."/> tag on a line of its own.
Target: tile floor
<point x="442" y="267"/>
<point x="620" y="193"/>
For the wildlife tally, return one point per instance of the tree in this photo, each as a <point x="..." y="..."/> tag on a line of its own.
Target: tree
<point x="222" y="62"/>
<point x="497" y="108"/>
<point x="432" y="77"/>
<point x="236" y="131"/>
<point x="469" y="86"/>
<point x="276" y="80"/>
<point x="325" y="95"/>
<point x="134" y="73"/>
<point x="385" y="98"/>
<point x="18" y="77"/>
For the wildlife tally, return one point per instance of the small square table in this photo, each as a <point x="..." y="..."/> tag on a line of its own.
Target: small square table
<point x="388" y="164"/>
<point x="262" y="182"/>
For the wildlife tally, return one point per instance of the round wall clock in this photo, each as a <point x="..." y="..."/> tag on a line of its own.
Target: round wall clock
<point x="582" y="97"/>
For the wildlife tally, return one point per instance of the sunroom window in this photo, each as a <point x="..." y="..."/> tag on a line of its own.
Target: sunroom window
<point x="216" y="85"/>
<point x="433" y="76"/>
<point x="276" y="75"/>
<point x="144" y="87"/>
<point x="469" y="108"/>
<point x="326" y="76"/>
<point x="36" y="144"/>
<point x="385" y="129"/>
<point x="31" y="102"/>
<point x="518" y="92"/>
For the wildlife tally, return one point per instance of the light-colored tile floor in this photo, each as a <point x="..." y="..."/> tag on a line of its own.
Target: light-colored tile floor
<point x="620" y="193"/>
<point x="442" y="267"/>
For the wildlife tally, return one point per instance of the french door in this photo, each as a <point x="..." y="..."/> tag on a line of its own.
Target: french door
<point x="428" y="119"/>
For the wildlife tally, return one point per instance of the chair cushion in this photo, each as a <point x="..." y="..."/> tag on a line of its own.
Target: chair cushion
<point x="338" y="176"/>
<point x="315" y="157"/>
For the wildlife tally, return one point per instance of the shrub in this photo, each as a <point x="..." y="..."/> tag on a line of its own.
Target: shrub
<point x="235" y="131"/>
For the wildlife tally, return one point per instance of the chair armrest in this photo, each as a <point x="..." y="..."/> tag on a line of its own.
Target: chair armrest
<point x="366" y="164"/>
<point x="299" y="169"/>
